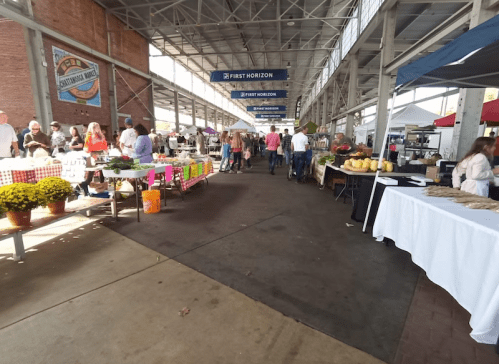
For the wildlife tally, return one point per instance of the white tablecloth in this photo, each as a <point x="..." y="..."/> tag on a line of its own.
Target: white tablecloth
<point x="457" y="247"/>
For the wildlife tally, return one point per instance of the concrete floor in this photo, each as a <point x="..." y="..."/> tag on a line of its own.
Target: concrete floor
<point x="270" y="271"/>
<point x="103" y="298"/>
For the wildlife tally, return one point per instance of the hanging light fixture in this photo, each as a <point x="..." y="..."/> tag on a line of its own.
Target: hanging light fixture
<point x="289" y="65"/>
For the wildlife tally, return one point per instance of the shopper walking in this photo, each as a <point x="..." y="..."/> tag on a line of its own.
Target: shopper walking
<point x="299" y="146"/>
<point x="200" y="142"/>
<point x="247" y="157"/>
<point x="76" y="143"/>
<point x="272" y="141"/>
<point x="142" y="149"/>
<point x="128" y="138"/>
<point x="57" y="138"/>
<point x="280" y="153"/>
<point x="225" y="162"/>
<point x="8" y="138"/>
<point x="261" y="142"/>
<point x="286" y="146"/>
<point x="237" y="148"/>
<point x="155" y="141"/>
<point x="173" y="144"/>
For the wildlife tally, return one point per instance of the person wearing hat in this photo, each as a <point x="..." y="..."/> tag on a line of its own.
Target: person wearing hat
<point x="128" y="138"/>
<point x="57" y="138"/>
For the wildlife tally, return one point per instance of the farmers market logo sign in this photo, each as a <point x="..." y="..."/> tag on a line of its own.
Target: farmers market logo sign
<point x="77" y="79"/>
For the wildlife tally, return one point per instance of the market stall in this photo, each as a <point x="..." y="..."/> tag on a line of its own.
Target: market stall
<point x="455" y="245"/>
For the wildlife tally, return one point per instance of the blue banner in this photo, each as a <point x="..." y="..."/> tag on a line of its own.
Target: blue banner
<point x="249" y="75"/>
<point x="259" y="94"/>
<point x="270" y="116"/>
<point x="266" y="108"/>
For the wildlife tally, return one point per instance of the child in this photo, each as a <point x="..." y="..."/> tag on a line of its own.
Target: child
<point x="247" y="157"/>
<point x="225" y="162"/>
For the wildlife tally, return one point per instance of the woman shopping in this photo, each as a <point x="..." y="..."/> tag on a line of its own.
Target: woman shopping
<point x="237" y="148"/>
<point x="476" y="167"/>
<point x="95" y="145"/>
<point x="142" y="148"/>
<point x="57" y="138"/>
<point x="76" y="143"/>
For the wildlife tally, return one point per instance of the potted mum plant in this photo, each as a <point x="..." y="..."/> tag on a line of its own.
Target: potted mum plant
<point x="18" y="199"/>
<point x="54" y="192"/>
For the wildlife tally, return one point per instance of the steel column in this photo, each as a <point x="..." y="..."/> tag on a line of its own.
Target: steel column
<point x="387" y="53"/>
<point x="177" y="116"/>
<point x="352" y="93"/>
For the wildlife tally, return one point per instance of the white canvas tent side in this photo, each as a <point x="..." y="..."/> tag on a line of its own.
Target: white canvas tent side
<point x="191" y="130"/>
<point x="410" y="115"/>
<point x="242" y="126"/>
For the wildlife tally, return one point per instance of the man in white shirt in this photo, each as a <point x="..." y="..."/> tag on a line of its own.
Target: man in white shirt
<point x="8" y="137"/>
<point x="299" y="146"/>
<point x="128" y="138"/>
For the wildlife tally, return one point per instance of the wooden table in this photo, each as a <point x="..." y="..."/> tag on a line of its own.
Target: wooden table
<point x="41" y="217"/>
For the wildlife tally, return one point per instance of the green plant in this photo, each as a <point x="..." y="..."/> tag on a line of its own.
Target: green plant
<point x="120" y="163"/>
<point x="19" y="197"/>
<point x="54" y="189"/>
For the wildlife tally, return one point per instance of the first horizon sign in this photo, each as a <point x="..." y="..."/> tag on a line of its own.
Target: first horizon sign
<point x="249" y="75"/>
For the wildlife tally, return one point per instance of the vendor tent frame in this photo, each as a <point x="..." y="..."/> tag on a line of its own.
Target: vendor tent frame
<point x="465" y="62"/>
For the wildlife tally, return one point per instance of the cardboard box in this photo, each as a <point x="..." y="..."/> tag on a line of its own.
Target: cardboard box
<point x="432" y="172"/>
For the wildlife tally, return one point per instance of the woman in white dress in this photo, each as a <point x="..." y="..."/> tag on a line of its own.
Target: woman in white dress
<point x="476" y="166"/>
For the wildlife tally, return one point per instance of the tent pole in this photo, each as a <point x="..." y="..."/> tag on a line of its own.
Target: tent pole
<point x="383" y="147"/>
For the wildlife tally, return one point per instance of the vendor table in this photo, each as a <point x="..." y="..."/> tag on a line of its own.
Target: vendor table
<point x="42" y="216"/>
<point x="457" y="247"/>
<point x="352" y="179"/>
<point x="182" y="184"/>
<point x="133" y="174"/>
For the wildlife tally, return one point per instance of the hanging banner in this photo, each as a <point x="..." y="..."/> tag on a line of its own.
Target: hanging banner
<point x="270" y="116"/>
<point x="249" y="75"/>
<point x="298" y="108"/>
<point x="266" y="108"/>
<point x="76" y="78"/>
<point x="262" y="94"/>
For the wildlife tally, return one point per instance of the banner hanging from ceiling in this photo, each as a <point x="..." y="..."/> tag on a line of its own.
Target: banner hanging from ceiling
<point x="262" y="94"/>
<point x="266" y="108"/>
<point x="76" y="78"/>
<point x="249" y="75"/>
<point x="298" y="108"/>
<point x="270" y="116"/>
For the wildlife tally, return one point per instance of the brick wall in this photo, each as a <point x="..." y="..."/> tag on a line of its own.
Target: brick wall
<point x="85" y="21"/>
<point x="16" y="98"/>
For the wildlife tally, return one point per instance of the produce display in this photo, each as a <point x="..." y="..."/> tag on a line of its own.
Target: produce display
<point x="341" y="149"/>
<point x="124" y="163"/>
<point x="367" y="165"/>
<point x="326" y="158"/>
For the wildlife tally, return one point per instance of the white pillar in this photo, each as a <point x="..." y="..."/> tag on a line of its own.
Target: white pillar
<point x="324" y="107"/>
<point x="177" y="116"/>
<point x="193" y="112"/>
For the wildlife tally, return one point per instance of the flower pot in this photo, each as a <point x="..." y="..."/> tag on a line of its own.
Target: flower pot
<point x="19" y="218"/>
<point x="56" y="207"/>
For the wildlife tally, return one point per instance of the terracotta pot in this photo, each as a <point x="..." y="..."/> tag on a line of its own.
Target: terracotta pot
<point x="57" y="207"/>
<point x="22" y="218"/>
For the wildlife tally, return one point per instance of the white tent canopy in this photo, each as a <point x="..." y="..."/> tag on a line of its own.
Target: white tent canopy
<point x="242" y="126"/>
<point x="410" y="115"/>
<point x="191" y="130"/>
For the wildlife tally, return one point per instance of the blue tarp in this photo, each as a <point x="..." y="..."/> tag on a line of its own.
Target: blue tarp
<point x="480" y="69"/>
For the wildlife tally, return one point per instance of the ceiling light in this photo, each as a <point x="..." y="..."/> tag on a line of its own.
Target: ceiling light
<point x="289" y="65"/>
<point x="290" y="22"/>
<point x="289" y="46"/>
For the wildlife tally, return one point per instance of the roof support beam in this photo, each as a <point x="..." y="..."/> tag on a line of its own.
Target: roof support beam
<point x="447" y="27"/>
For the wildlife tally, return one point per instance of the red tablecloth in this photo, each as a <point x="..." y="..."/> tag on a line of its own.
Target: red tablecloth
<point x="179" y="171"/>
<point x="53" y="170"/>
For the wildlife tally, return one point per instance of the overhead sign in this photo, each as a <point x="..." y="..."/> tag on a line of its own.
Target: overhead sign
<point x="298" y="108"/>
<point x="266" y="108"/>
<point x="262" y="94"/>
<point x="270" y="116"/>
<point x="77" y="79"/>
<point x="249" y="75"/>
